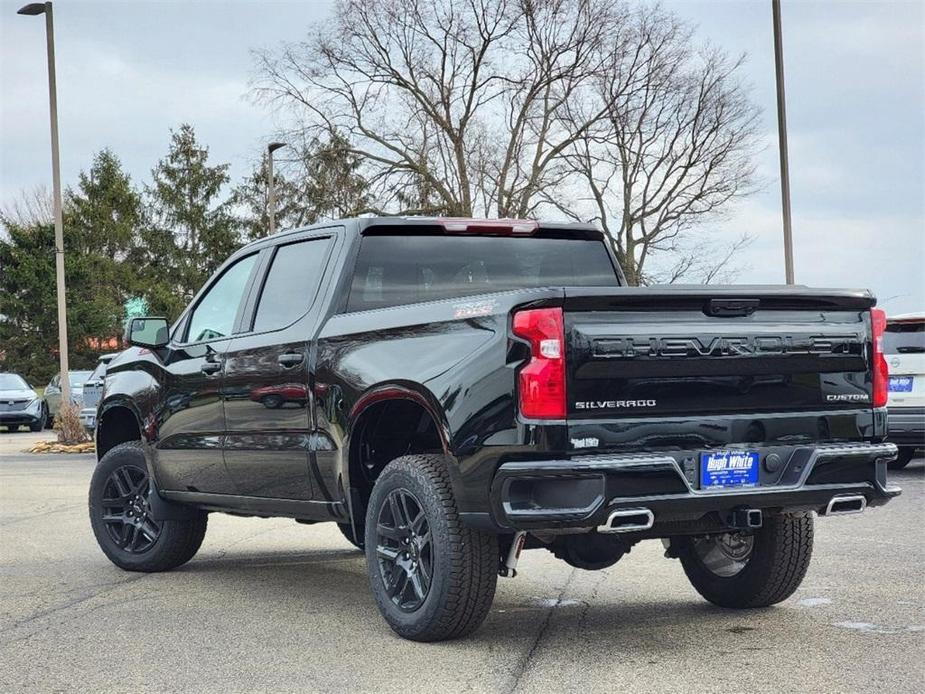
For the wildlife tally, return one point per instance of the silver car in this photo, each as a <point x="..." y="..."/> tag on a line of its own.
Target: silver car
<point x="53" y="392"/>
<point x="20" y="404"/>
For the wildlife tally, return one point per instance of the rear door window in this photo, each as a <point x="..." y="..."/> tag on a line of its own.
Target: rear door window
<point x="292" y="283"/>
<point x="404" y="269"/>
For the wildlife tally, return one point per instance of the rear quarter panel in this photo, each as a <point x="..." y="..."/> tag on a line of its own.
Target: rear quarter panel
<point x="451" y="356"/>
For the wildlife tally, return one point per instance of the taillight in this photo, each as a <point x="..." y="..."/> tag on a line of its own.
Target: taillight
<point x="542" y="380"/>
<point x="881" y="370"/>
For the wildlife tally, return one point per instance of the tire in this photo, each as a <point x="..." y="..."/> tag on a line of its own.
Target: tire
<point x="770" y="572"/>
<point x="905" y="456"/>
<point x="49" y="420"/>
<point x="462" y="562"/>
<point x="346" y="530"/>
<point x="141" y="544"/>
<point x="37" y="426"/>
<point x="271" y="402"/>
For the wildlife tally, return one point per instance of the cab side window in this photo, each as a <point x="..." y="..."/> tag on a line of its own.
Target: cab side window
<point x="291" y="284"/>
<point x="214" y="315"/>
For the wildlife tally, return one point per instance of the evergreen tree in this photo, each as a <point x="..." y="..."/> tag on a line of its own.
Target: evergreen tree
<point x="251" y="199"/>
<point x="101" y="222"/>
<point x="321" y="181"/>
<point x="332" y="184"/>
<point x="28" y="332"/>
<point x="191" y="231"/>
<point x="104" y="219"/>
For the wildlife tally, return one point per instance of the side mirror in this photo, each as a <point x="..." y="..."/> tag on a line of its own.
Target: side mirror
<point x="148" y="332"/>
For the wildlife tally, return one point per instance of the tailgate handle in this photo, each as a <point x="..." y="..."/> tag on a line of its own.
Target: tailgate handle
<point x="731" y="307"/>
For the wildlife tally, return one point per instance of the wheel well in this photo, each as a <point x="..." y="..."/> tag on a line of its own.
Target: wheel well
<point x="117" y="425"/>
<point x="385" y="431"/>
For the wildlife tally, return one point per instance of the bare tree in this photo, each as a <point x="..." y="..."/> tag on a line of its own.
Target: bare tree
<point x="313" y="181"/>
<point x="463" y="101"/>
<point x="518" y="107"/>
<point x="29" y="208"/>
<point x="699" y="260"/>
<point x="675" y="147"/>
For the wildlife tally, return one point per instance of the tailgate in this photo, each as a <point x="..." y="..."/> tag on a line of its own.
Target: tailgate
<point x="702" y="350"/>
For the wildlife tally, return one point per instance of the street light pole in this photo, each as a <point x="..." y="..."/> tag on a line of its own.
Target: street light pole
<point x="782" y="140"/>
<point x="33" y="9"/>
<point x="271" y="185"/>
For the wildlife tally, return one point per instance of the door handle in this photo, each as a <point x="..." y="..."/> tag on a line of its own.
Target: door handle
<point x="290" y="360"/>
<point x="211" y="367"/>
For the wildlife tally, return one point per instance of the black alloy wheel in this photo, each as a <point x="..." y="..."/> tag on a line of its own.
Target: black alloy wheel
<point x="136" y="529"/>
<point x="433" y="578"/>
<point x="127" y="512"/>
<point x="404" y="550"/>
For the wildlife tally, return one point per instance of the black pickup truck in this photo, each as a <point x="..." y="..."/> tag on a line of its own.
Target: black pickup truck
<point x="453" y="391"/>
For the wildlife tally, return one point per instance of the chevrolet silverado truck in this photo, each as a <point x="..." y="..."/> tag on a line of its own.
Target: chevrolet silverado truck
<point x="451" y="392"/>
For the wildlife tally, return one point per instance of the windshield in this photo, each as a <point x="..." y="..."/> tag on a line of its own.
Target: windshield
<point x="99" y="372"/>
<point x="78" y="378"/>
<point x="405" y="269"/>
<point x="12" y="382"/>
<point x="904" y="338"/>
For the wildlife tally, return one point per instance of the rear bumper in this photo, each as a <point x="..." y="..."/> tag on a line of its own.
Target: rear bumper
<point x="907" y="426"/>
<point x="583" y="493"/>
<point x="88" y="418"/>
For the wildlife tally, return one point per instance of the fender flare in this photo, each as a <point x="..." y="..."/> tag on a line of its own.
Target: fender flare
<point x="382" y="392"/>
<point x="401" y="390"/>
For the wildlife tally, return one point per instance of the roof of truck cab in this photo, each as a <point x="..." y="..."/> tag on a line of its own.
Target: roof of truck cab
<point x="413" y="224"/>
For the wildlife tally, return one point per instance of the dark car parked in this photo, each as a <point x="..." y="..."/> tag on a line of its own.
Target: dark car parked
<point x="20" y="405"/>
<point x="475" y="388"/>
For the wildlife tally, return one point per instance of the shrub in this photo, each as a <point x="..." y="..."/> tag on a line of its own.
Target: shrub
<point x="67" y="424"/>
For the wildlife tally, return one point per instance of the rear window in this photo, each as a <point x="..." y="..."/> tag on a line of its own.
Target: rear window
<point x="904" y="338"/>
<point x="78" y="378"/>
<point x="392" y="270"/>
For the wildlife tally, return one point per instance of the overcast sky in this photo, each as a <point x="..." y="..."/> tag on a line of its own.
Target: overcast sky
<point x="128" y="72"/>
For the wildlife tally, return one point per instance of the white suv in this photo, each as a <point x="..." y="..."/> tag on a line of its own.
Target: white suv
<point x="904" y="348"/>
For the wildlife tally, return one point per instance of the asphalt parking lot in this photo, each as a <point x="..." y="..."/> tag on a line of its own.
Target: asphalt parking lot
<point x="274" y="606"/>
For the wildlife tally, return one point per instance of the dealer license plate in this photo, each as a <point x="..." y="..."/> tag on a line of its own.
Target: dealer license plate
<point x="900" y="384"/>
<point x="723" y="469"/>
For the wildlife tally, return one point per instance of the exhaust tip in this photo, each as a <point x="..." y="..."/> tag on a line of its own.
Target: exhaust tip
<point x="628" y="520"/>
<point x="843" y="505"/>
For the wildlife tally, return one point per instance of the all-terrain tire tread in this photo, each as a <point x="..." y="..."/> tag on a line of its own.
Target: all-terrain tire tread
<point x="473" y="555"/>
<point x="793" y="541"/>
<point x="775" y="570"/>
